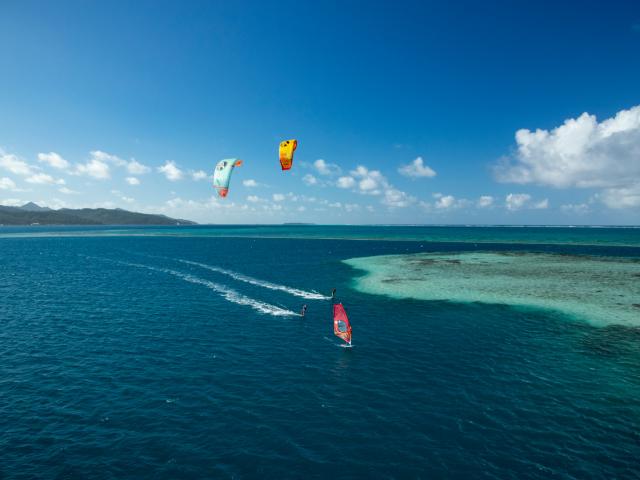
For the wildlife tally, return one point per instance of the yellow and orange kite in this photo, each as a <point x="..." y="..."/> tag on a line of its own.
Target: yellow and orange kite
<point x="287" y="148"/>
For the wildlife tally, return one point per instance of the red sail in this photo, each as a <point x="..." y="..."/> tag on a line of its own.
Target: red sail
<point x="341" y="325"/>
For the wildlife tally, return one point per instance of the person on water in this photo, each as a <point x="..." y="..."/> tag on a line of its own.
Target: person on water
<point x="333" y="293"/>
<point x="304" y="310"/>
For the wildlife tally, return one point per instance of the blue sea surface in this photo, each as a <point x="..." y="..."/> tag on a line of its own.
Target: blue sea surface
<point x="128" y="353"/>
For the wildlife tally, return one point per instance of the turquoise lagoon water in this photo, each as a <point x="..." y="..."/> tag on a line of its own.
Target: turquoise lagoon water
<point x="179" y="353"/>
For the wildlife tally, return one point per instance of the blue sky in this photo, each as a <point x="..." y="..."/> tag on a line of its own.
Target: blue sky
<point x="405" y="112"/>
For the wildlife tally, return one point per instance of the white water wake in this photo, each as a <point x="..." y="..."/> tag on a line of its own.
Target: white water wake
<point x="260" y="283"/>
<point x="227" y="293"/>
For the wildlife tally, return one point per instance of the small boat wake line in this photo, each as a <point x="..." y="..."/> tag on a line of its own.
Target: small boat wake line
<point x="227" y="293"/>
<point x="260" y="283"/>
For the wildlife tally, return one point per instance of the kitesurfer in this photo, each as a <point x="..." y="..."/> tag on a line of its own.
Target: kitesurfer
<point x="304" y="310"/>
<point x="333" y="293"/>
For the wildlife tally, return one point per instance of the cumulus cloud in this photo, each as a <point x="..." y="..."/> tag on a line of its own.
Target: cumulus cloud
<point x="132" y="166"/>
<point x="368" y="181"/>
<point x="445" y="201"/>
<point x="7" y="184"/>
<point x="122" y="197"/>
<point x="53" y="160"/>
<point x="396" y="198"/>
<point x="485" y="201"/>
<point x="325" y="168"/>
<point x="346" y="182"/>
<point x="278" y="197"/>
<point x="68" y="191"/>
<point x="577" y="209"/>
<point x="352" y="207"/>
<point x="309" y="179"/>
<point x="44" y="179"/>
<point x="171" y="171"/>
<point x="624" y="197"/>
<point x="132" y="181"/>
<point x="417" y="169"/>
<point x="95" y="168"/>
<point x="255" y="199"/>
<point x="136" y="168"/>
<point x="250" y="183"/>
<point x="198" y="175"/>
<point x="517" y="201"/>
<point x="372" y="182"/>
<point x="541" y="205"/>
<point x="581" y="153"/>
<point x="15" y="165"/>
<point x="12" y="202"/>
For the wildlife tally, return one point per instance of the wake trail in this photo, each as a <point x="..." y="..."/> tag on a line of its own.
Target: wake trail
<point x="260" y="283"/>
<point x="227" y="293"/>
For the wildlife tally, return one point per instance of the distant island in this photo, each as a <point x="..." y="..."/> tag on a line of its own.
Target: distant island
<point x="33" y="214"/>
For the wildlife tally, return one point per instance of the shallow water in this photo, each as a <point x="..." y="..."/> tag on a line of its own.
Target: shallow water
<point x="120" y="360"/>
<point x="600" y="290"/>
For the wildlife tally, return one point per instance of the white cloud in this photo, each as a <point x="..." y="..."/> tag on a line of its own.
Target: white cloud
<point x="12" y="202"/>
<point x="445" y="201"/>
<point x="132" y="181"/>
<point x="44" y="179"/>
<point x="368" y="181"/>
<point x="107" y="157"/>
<point x="15" y="165"/>
<point x="67" y="191"/>
<point x="53" y="160"/>
<point x="397" y="198"/>
<point x="372" y="182"/>
<point x="122" y="197"/>
<point x="7" y="184"/>
<point x="324" y="168"/>
<point x="352" y="207"/>
<point x="582" y="153"/>
<point x="541" y="205"/>
<point x="136" y="168"/>
<point x="625" y="197"/>
<point x="302" y="208"/>
<point x="94" y="168"/>
<point x="516" y="201"/>
<point x="171" y="171"/>
<point x="309" y="179"/>
<point x="346" y="182"/>
<point x="278" y="197"/>
<point x="255" y="199"/>
<point x="198" y="175"/>
<point x="250" y="183"/>
<point x="368" y="184"/>
<point x="578" y="209"/>
<point x="417" y="169"/>
<point x="485" y="201"/>
<point x="133" y="167"/>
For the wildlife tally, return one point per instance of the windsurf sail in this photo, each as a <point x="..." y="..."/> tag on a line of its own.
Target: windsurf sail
<point x="341" y="325"/>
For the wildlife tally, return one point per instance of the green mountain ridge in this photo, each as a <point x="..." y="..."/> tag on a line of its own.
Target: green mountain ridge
<point x="30" y="214"/>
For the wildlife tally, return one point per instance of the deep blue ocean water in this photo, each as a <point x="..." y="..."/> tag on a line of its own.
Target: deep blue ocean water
<point x="119" y="360"/>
